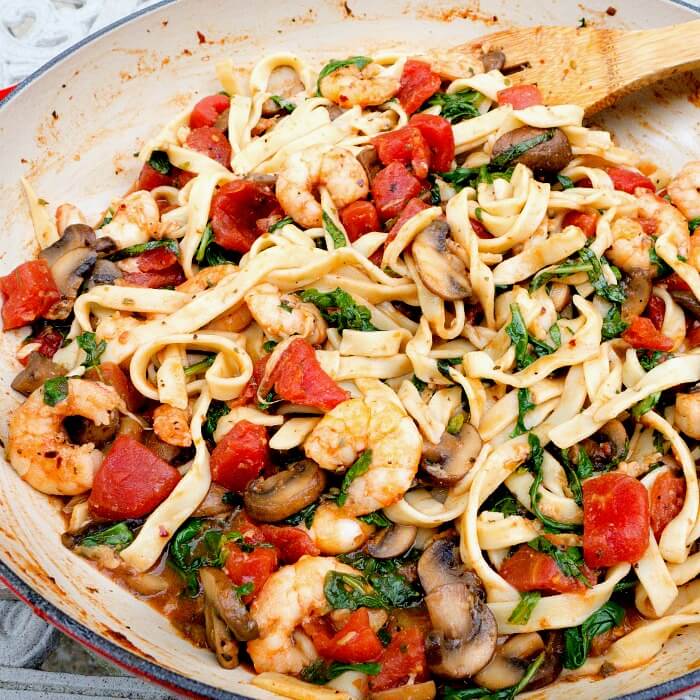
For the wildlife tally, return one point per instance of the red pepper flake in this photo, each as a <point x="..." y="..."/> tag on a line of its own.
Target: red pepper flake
<point x="612" y="11"/>
<point x="162" y="531"/>
<point x="201" y="38"/>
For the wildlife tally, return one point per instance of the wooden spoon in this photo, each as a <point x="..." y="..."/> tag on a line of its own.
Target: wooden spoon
<point x="585" y="66"/>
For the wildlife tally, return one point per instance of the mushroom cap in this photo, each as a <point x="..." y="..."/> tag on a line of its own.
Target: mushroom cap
<point x="69" y="273"/>
<point x="220" y="593"/>
<point x="552" y="155"/>
<point x="39" y="368"/>
<point x="392" y="541"/>
<point x="104" y="272"/>
<point x="450" y="460"/>
<point x="74" y="236"/>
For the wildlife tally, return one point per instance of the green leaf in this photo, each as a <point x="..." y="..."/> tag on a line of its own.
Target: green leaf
<point x="457" y="105"/>
<point x="106" y="219"/>
<point x="418" y="383"/>
<point x="611" y="292"/>
<point x="339" y="309"/>
<point x="216" y="255"/>
<point x="694" y="224"/>
<point x="517" y="149"/>
<point x="200" y="366"/>
<point x="517" y="332"/>
<point x="471" y="177"/>
<point x="454" y="425"/>
<point x="507" y="505"/>
<point x="93" y="350"/>
<point x="245" y="589"/>
<point x="445" y="363"/>
<point x="204" y="241"/>
<point x="645" y="405"/>
<point x="568" y="560"/>
<point x="284" y="304"/>
<point x="321" y="672"/>
<point x="280" y="224"/>
<point x="140" y="248"/>
<point x="662" y="269"/>
<point x="269" y="400"/>
<point x="117" y="536"/>
<point x="584" y="466"/>
<point x="269" y="346"/>
<point x="334" y="65"/>
<point x="55" y="390"/>
<point x="286" y="105"/>
<point x="360" y="467"/>
<point x="541" y="348"/>
<point x="217" y="409"/>
<point x="160" y="162"/>
<point x="577" y="640"/>
<point x="649" y="359"/>
<point x="568" y="268"/>
<point x="523" y="610"/>
<point x="337" y="236"/>
<point x="566" y="182"/>
<point x="377" y="518"/>
<point x="613" y="325"/>
<point x="305" y="515"/>
<point x="350" y="592"/>
<point x="524" y="406"/>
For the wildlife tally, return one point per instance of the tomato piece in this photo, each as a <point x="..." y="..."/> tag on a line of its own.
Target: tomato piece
<point x="403" y="659"/>
<point x="437" y="132"/>
<point x="240" y="456"/>
<point x="675" y="283"/>
<point x="413" y="206"/>
<point x="418" y="83"/>
<point x="112" y="374"/>
<point x="642" y="335"/>
<point x="251" y="388"/>
<point x="520" y="96"/>
<point x="360" y="218"/>
<point x="299" y="378"/>
<point x="530" y="570"/>
<point x="291" y="542"/>
<point x="154" y="277"/>
<point x="649" y="226"/>
<point x="656" y="310"/>
<point x="28" y="292"/>
<point x="131" y="481"/>
<point x="585" y="220"/>
<point x="212" y="142"/>
<point x="392" y="188"/>
<point x="254" y="567"/>
<point x="49" y="341"/>
<point x="150" y="178"/>
<point x="479" y="229"/>
<point x="666" y="500"/>
<point x="237" y="208"/>
<point x="208" y="109"/>
<point x="406" y="146"/>
<point x="629" y="180"/>
<point x="156" y="260"/>
<point x="615" y="520"/>
<point x="356" y="642"/>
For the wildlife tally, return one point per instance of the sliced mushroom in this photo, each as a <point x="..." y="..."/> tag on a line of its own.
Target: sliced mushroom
<point x="551" y="156"/>
<point x="441" y="271"/>
<point x="284" y="493"/>
<point x="69" y="272"/>
<point x="104" y="272"/>
<point x="39" y="368"/>
<point x="463" y="638"/>
<point x="82" y="430"/>
<point x="493" y="60"/>
<point x="615" y="431"/>
<point x="450" y="459"/>
<point x="75" y="236"/>
<point x="213" y="503"/>
<point x="392" y="541"/>
<point x="688" y="301"/>
<point x="638" y="289"/>
<point x="220" y="593"/>
<point x="219" y="638"/>
<point x="168" y="453"/>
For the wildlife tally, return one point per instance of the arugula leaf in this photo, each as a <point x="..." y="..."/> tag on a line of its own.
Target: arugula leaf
<point x="563" y="270"/>
<point x="106" y="219"/>
<point x="269" y="345"/>
<point x="305" y="515"/>
<point x="693" y="224"/>
<point x="454" y="425"/>
<point x="199" y="366"/>
<point x="280" y="224"/>
<point x="584" y="466"/>
<point x="627" y="583"/>
<point x="334" y="65"/>
<point x="645" y="405"/>
<point x="418" y="383"/>
<point x="217" y="409"/>
<point x="541" y="348"/>
<point x="117" y="536"/>
<point x="457" y="105"/>
<point x="55" y="390"/>
<point x="662" y="268"/>
<point x="93" y="350"/>
<point x="284" y="304"/>
<point x="204" y="241"/>
<point x="435" y="197"/>
<point x="534" y="464"/>
<point x="568" y="560"/>
<point x="524" y="406"/>
<point x="139" y="248"/>
<point x="269" y="400"/>
<point x="649" y="359"/>
<point x="216" y="255"/>
<point x="517" y="332"/>
<point x="245" y="589"/>
<point x="350" y="592"/>
<point x="360" y="466"/>
<point x="525" y="607"/>
<point x="337" y="236"/>
<point x="445" y="364"/>
<point x="377" y="518"/>
<point x="160" y="162"/>
<point x="574" y="482"/>
<point x="611" y="292"/>
<point x="286" y="105"/>
<point x="340" y="309"/>
<point x="507" y="505"/>
<point x="577" y="640"/>
<point x="504" y="159"/>
<point x="613" y="325"/>
<point x="321" y="672"/>
<point x="566" y="182"/>
<point x="470" y="177"/>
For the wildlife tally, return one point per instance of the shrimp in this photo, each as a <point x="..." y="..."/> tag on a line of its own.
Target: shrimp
<point x="630" y="248"/>
<point x="684" y="190"/>
<point x="284" y="315"/>
<point x="38" y="446"/>
<point x="67" y="215"/>
<point x="291" y="596"/>
<point x="351" y="85"/>
<point x="171" y="425"/>
<point x="134" y="221"/>
<point x="304" y="171"/>
<point x="335" y="532"/>
<point x="379" y="428"/>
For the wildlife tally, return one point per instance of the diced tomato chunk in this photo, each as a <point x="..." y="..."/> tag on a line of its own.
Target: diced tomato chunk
<point x="402" y="660"/>
<point x="675" y="283"/>
<point x="585" y="220"/>
<point x="291" y="542"/>
<point x="131" y="481"/>
<point x="615" y="520"/>
<point x="406" y="146"/>
<point x="656" y="310"/>
<point x="28" y="292"/>
<point x="412" y="208"/>
<point x="299" y="378"/>
<point x="360" y="218"/>
<point x="355" y="643"/>
<point x="418" y="83"/>
<point x="251" y="388"/>
<point x="250" y="567"/>
<point x="530" y="570"/>
<point x="392" y="188"/>
<point x="156" y="260"/>
<point x="642" y="335"/>
<point x="157" y="268"/>
<point x="629" y="180"/>
<point x="649" y="226"/>
<point x="112" y="374"/>
<point x="437" y="132"/>
<point x="150" y="178"/>
<point x="239" y="213"/>
<point x="240" y="456"/>
<point x="479" y="229"/>
<point x="49" y="341"/>
<point x="212" y="142"/>
<point x="207" y="110"/>
<point x="520" y="96"/>
<point x="666" y="499"/>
